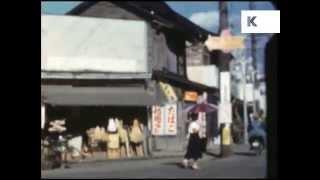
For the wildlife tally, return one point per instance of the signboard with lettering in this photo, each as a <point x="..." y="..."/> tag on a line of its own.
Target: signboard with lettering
<point x="226" y="42"/>
<point x="171" y="119"/>
<point x="164" y="120"/>
<point x="191" y="96"/>
<point x="169" y="92"/>
<point x="57" y="126"/>
<point x="157" y="121"/>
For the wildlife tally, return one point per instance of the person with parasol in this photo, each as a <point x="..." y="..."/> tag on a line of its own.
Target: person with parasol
<point x="194" y="151"/>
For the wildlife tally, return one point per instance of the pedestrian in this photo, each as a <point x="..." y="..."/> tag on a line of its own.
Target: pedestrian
<point x="257" y="130"/>
<point x="194" y="145"/>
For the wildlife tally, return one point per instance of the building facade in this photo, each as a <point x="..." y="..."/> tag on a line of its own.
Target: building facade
<point x="118" y="59"/>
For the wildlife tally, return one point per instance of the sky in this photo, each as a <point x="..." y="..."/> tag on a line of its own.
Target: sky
<point x="202" y="13"/>
<point x="56" y="7"/>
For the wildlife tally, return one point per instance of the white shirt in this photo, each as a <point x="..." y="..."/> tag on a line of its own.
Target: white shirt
<point x="193" y="125"/>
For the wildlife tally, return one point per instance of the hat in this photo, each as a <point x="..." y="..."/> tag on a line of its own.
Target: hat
<point x="112" y="127"/>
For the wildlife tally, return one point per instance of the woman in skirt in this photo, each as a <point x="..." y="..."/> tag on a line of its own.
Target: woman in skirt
<point x="194" y="145"/>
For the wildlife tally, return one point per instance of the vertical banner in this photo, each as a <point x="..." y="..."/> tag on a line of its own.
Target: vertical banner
<point x="157" y="120"/>
<point x="171" y="119"/>
<point x="43" y="116"/>
<point x="224" y="113"/>
<point x="225" y="86"/>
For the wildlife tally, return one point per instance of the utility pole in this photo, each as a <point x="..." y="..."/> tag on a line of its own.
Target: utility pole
<point x="224" y="58"/>
<point x="225" y="95"/>
<point x="223" y="14"/>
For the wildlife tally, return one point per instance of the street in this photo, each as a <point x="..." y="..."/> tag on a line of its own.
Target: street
<point x="240" y="165"/>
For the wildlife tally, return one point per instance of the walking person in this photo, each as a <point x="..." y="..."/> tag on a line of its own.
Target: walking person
<point x="194" y="145"/>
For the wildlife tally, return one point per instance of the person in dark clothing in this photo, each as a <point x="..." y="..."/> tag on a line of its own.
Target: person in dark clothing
<point x="194" y="151"/>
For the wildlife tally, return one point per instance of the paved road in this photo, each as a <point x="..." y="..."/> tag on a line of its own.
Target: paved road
<point x="240" y="165"/>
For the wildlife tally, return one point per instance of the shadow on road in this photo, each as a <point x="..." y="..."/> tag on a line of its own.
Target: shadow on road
<point x="245" y="153"/>
<point x="216" y="155"/>
<point x="177" y="164"/>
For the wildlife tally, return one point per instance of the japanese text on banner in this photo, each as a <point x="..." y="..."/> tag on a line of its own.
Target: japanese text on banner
<point x="157" y="120"/>
<point x="171" y="119"/>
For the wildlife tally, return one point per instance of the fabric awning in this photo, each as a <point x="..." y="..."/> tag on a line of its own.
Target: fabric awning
<point x="182" y="82"/>
<point x="65" y="95"/>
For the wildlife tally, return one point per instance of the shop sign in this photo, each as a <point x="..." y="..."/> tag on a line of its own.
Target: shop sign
<point x="157" y="121"/>
<point x="171" y="119"/>
<point x="164" y="120"/>
<point x="169" y="92"/>
<point x="57" y="126"/>
<point x="226" y="42"/>
<point x="191" y="96"/>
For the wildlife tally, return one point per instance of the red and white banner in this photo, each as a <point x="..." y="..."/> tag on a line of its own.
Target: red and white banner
<point x="164" y="120"/>
<point x="157" y="120"/>
<point x="171" y="119"/>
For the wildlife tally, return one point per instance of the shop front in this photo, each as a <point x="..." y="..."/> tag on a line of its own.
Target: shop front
<point x="90" y="108"/>
<point x="189" y="94"/>
<point x="157" y="106"/>
<point x="107" y="84"/>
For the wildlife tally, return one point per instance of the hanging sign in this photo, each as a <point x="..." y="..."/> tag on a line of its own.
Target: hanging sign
<point x="57" y="126"/>
<point x="226" y="42"/>
<point x="169" y="92"/>
<point x="191" y="96"/>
